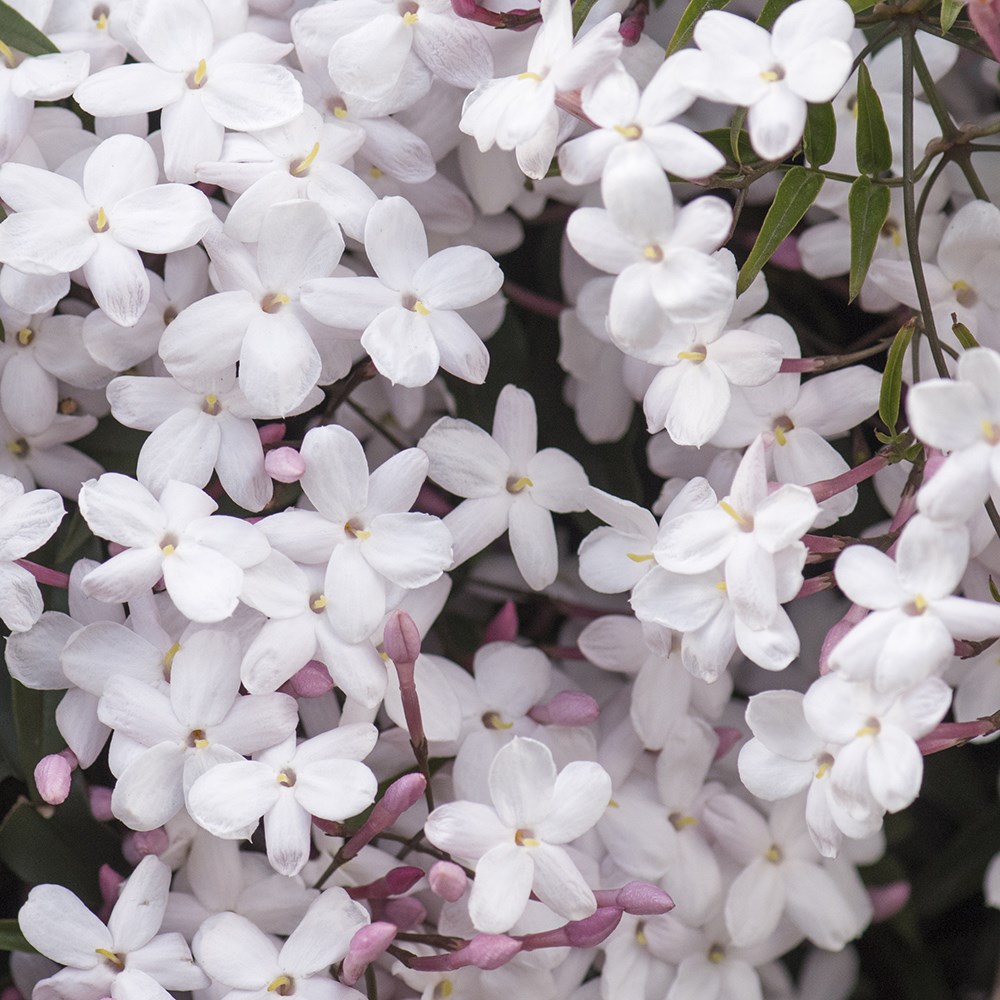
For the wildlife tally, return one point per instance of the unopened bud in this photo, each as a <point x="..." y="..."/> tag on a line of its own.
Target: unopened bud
<point x="367" y="945"/>
<point x="447" y="880"/>
<point x="728" y="736"/>
<point x="888" y="900"/>
<point x="946" y="735"/>
<point x="398" y="797"/>
<point x="567" y="708"/>
<point x="401" y="638"/>
<point x="503" y="626"/>
<point x="592" y="930"/>
<point x="406" y="913"/>
<point x="490" y="951"/>
<point x="110" y="883"/>
<point x="643" y="899"/>
<point x="285" y="465"/>
<point x="53" y="776"/>
<point x="137" y="845"/>
<point x="393" y="883"/>
<point x="99" y="797"/>
<point x="985" y="18"/>
<point x="271" y="433"/>
<point x="311" y="681"/>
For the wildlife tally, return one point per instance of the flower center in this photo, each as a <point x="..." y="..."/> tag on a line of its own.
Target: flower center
<point x="210" y="405"/>
<point x="653" y="253"/>
<point x="781" y="426"/>
<point x="113" y="957"/>
<point x="409" y="11"/>
<point x="301" y="167"/>
<point x="516" y="485"/>
<point x="338" y="108"/>
<point x="168" y="544"/>
<point x="443" y="990"/>
<point x="18" y="448"/>
<point x="965" y="294"/>
<point x="286" y="777"/>
<point x="825" y="762"/>
<point x="774" y="854"/>
<point x="745" y="523"/>
<point x="630" y="132"/>
<point x="317" y="603"/>
<point x="68" y="406"/>
<point x="917" y="606"/>
<point x="872" y="727"/>
<point x="679" y="821"/>
<point x="99" y="222"/>
<point x="526" y="838"/>
<point x="356" y="531"/>
<point x="199" y="77"/>
<point x="273" y="302"/>
<point x="283" y="985"/>
<point x="197" y="739"/>
<point x="697" y="354"/>
<point x="773" y="74"/>
<point x="494" y="720"/>
<point x="716" y="954"/>
<point x="25" y="336"/>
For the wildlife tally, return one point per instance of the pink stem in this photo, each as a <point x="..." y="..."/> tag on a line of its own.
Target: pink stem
<point x="827" y="488"/>
<point x="43" y="574"/>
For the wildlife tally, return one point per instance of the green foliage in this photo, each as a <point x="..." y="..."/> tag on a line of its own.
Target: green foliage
<point x="771" y="11"/>
<point x="11" y="938"/>
<point x="18" y="33"/>
<point x="581" y="8"/>
<point x="950" y="9"/>
<point x="820" y="138"/>
<point x="963" y="334"/>
<point x="796" y="192"/>
<point x="892" y="377"/>
<point x="868" y="208"/>
<point x="874" y="149"/>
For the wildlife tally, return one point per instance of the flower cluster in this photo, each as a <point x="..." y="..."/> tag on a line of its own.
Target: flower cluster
<point x="495" y="722"/>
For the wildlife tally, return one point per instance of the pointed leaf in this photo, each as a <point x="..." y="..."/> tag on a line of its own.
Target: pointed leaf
<point x="892" y="378"/>
<point x="950" y="9"/>
<point x="685" y="27"/>
<point x="820" y="138"/>
<point x="19" y="33"/>
<point x="796" y="192"/>
<point x="868" y="207"/>
<point x="770" y="12"/>
<point x="963" y="334"/>
<point x="874" y="149"/>
<point x="11" y="938"/>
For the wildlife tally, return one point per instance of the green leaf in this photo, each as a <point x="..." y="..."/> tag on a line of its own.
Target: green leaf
<point x="19" y="33"/>
<point x="796" y="192"/>
<point x="950" y="9"/>
<point x="820" y="138"/>
<point x="685" y="27"/>
<point x="11" y="938"/>
<point x="868" y="208"/>
<point x="771" y="11"/>
<point x="581" y="8"/>
<point x="722" y="138"/>
<point x="859" y="5"/>
<point x="874" y="150"/>
<point x="892" y="377"/>
<point x="994" y="593"/>
<point x="963" y="334"/>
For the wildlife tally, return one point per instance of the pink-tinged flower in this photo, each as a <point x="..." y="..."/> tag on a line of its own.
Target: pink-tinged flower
<point x="516" y="845"/>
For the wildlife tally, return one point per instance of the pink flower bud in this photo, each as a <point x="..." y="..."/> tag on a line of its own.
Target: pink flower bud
<point x="855" y="613"/>
<point x="137" y="845"/>
<point x="567" y="708"/>
<point x="643" y="899"/>
<point x="10" y="993"/>
<point x="53" y="775"/>
<point x="398" y="797"/>
<point x="311" y="681"/>
<point x="447" y="880"/>
<point x="729" y="736"/>
<point x="954" y="734"/>
<point x="430" y="501"/>
<point x="100" y="803"/>
<point x="592" y="930"/>
<point x="284" y="464"/>
<point x="888" y="900"/>
<point x="393" y="883"/>
<point x="110" y="883"/>
<point x="504" y="625"/>
<point x="787" y="254"/>
<point x="406" y="913"/>
<point x="367" y="945"/>
<point x="401" y="638"/>
<point x="985" y="18"/>
<point x="490" y="951"/>
<point x="271" y="433"/>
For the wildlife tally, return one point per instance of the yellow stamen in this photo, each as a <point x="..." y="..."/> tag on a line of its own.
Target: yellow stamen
<point x="319" y="603"/>
<point x="200" y="72"/>
<point x="769" y="75"/>
<point x="716" y="954"/>
<point x="102" y="22"/>
<point x="960" y="286"/>
<point x="443" y="990"/>
<point x="614" y="804"/>
<point x="735" y="515"/>
<point x="679" y="822"/>
<point x="167" y="550"/>
<point x="201" y="744"/>
<point x="410" y="17"/>
<point x="920" y="603"/>
<point x="25" y="336"/>
<point x="277" y="985"/>
<point x="285" y="779"/>
<point x="640" y="557"/>
<point x="779" y="436"/>
<point x="523" y="838"/>
<point x="305" y="164"/>
<point x="18" y="447"/>
<point x="640" y="937"/>
<point x="822" y="770"/>
<point x="420" y="308"/>
<point x="519" y="485"/>
<point x="629" y="131"/>
<point x="868" y="731"/>
<point x="211" y="404"/>
<point x="494" y="720"/>
<point x="374" y="173"/>
<point x="529" y="76"/>
<point x="773" y="854"/>
<point x="691" y="355"/>
<point x="652" y="252"/>
<point x="111" y="957"/>
<point x="273" y="302"/>
<point x="339" y="112"/>
<point x="721" y="585"/>
<point x="102" y="220"/>
<point x="897" y="237"/>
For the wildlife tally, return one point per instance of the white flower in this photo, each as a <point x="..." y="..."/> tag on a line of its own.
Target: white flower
<point x="509" y="483"/>
<point x="517" y="844"/>
<point x="101" y="225"/>
<point x="126" y="958"/>
<point x="409" y="312"/>
<point x="805" y="58"/>
<point x="27" y="520"/>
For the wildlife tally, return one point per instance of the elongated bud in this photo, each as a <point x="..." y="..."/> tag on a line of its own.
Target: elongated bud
<point x="393" y="883"/>
<point x="642" y="899"/>
<point x="368" y="944"/>
<point x="504" y="625"/>
<point x="398" y="797"/>
<point x="633" y="21"/>
<point x="855" y="613"/>
<point x="447" y="880"/>
<point x="586" y="933"/>
<point x="567" y="708"/>
<point x="53" y="776"/>
<point x="271" y="433"/>
<point x="311" y="681"/>
<point x="284" y="464"/>
<point x="50" y="577"/>
<point x="110" y="884"/>
<point x="946" y="735"/>
<point x="484" y="951"/>
<point x="826" y="488"/>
